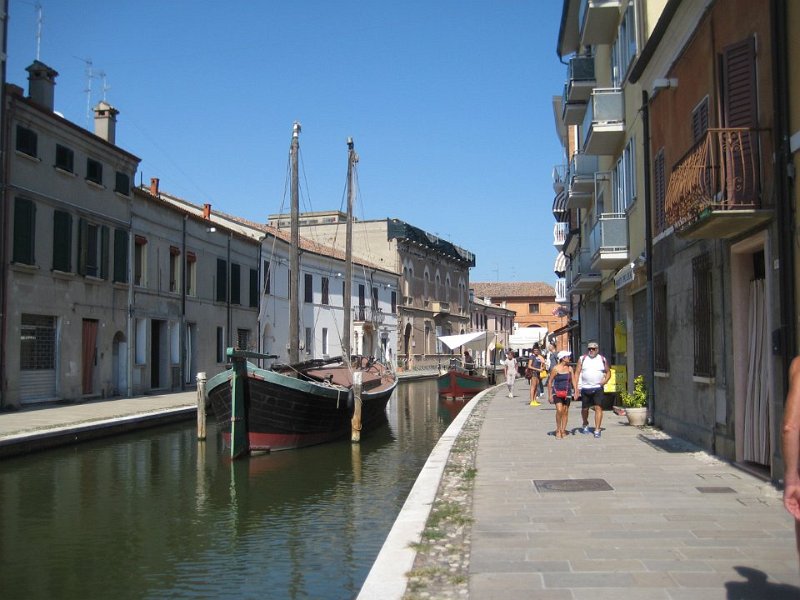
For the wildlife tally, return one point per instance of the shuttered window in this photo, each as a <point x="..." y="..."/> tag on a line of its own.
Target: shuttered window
<point x="236" y="284"/>
<point x="122" y="184"/>
<point x="94" y="171"/>
<point x="65" y="158"/>
<point x="699" y="120"/>
<point x="222" y="280"/>
<point x="93" y="254"/>
<point x="121" y="255"/>
<point x="267" y="278"/>
<point x="253" y="288"/>
<point x="62" y="241"/>
<point x="27" y="141"/>
<point x="703" y="316"/>
<point x="660" y="191"/>
<point x="309" y="288"/>
<point x="24" y="230"/>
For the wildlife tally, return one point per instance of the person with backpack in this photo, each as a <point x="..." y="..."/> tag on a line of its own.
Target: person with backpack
<point x="592" y="373"/>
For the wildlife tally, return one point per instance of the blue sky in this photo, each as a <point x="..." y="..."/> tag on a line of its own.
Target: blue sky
<point x="448" y="101"/>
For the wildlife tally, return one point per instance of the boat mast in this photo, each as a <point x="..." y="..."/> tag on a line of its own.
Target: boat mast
<point x="294" y="261"/>
<point x="352" y="159"/>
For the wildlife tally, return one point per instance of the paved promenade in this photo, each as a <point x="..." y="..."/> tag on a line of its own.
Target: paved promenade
<point x="633" y="514"/>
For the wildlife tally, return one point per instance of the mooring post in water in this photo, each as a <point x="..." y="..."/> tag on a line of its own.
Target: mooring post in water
<point x="240" y="442"/>
<point x="201" y="407"/>
<point x="356" y="420"/>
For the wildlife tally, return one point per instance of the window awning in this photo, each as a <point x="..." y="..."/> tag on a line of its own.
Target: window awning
<point x="560" y="265"/>
<point x="566" y="328"/>
<point x="560" y="203"/>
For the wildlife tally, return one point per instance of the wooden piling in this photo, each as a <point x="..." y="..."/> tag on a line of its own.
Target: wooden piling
<point x="355" y="423"/>
<point x="201" y="407"/>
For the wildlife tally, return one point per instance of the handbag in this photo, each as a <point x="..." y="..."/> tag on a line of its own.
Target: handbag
<point x="543" y="374"/>
<point x="560" y="393"/>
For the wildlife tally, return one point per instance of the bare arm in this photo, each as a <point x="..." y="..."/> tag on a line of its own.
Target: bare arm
<point x="791" y="442"/>
<point x="576" y="377"/>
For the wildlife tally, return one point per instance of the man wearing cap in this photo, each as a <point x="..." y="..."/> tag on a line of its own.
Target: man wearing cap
<point x="592" y="373"/>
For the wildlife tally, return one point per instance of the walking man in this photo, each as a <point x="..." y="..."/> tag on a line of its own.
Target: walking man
<point x="791" y="448"/>
<point x="592" y="373"/>
<point x="510" y="367"/>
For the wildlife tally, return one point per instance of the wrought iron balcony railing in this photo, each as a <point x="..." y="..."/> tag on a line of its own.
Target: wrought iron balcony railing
<point x="368" y="313"/>
<point x="722" y="172"/>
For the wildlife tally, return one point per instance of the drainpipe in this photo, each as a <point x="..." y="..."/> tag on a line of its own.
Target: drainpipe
<point x="131" y="341"/>
<point x="785" y="338"/>
<point x="648" y="249"/>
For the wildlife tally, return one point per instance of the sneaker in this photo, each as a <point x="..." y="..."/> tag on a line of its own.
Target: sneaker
<point x="585" y="429"/>
<point x="597" y="433"/>
<point x="511" y="395"/>
<point x="535" y="403"/>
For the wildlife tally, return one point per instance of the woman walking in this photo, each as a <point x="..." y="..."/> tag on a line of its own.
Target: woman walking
<point x="510" y="367"/>
<point x="561" y="387"/>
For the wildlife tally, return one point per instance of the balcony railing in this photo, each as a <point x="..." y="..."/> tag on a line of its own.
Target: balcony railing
<point x="368" y="313"/>
<point x="561" y="290"/>
<point x="580" y="78"/>
<point x="598" y="21"/>
<point x="559" y="177"/>
<point x="608" y="241"/>
<point x="714" y="191"/>
<point x="582" y="168"/>
<point x="581" y="277"/>
<point x="440" y="307"/>
<point x="560" y="231"/>
<point x="604" y="122"/>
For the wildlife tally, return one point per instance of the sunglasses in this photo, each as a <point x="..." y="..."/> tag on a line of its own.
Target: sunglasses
<point x="593" y="348"/>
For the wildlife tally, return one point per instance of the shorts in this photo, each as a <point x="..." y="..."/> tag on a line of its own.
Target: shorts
<point x="564" y="401"/>
<point x="592" y="398"/>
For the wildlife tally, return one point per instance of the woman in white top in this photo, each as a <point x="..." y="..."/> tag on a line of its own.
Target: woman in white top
<point x="510" y="366"/>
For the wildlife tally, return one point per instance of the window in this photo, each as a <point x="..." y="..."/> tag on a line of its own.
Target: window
<point x="308" y="288"/>
<point x="624" y="50"/>
<point x="699" y="120"/>
<point x="122" y="184"/>
<point x="220" y="345"/>
<point x="660" y="191"/>
<point x="27" y="141"/>
<point x="140" y="260"/>
<point x="222" y="281"/>
<point x="308" y="340"/>
<point x="325" y="291"/>
<point x="374" y="298"/>
<point x="62" y="241"/>
<point x="24" y="230"/>
<point x="191" y="274"/>
<point x="94" y="171"/>
<point x="121" y="255"/>
<point x="174" y="269"/>
<point x="325" y="341"/>
<point x="533" y="309"/>
<point x="394" y="302"/>
<point x="65" y="159"/>
<point x="93" y="243"/>
<point x="267" y="277"/>
<point x="703" y="316"/>
<point x="253" y="296"/>
<point x="625" y="179"/>
<point x="661" y="330"/>
<point x="236" y="284"/>
<point x="243" y="339"/>
<point x="37" y="342"/>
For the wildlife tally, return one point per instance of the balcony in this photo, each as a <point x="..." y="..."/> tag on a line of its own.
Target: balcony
<point x="441" y="308"/>
<point x="364" y="314"/>
<point x="559" y="178"/>
<point x="608" y="241"/>
<point x="580" y="78"/>
<point x="582" y="168"/>
<point x="598" y="21"/>
<point x="604" y="122"/>
<point x="560" y="231"/>
<point x="561" y="290"/>
<point x="714" y="191"/>
<point x="408" y="300"/>
<point x="581" y="278"/>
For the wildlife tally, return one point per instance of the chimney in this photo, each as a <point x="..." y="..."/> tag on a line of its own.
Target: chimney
<point x="206" y="211"/>
<point x="41" y="84"/>
<point x="105" y="121"/>
<point x="154" y="186"/>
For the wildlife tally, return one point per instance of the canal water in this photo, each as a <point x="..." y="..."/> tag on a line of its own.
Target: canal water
<point x="157" y="515"/>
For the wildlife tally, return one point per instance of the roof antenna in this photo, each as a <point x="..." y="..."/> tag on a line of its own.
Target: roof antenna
<point x="39" y="22"/>
<point x="106" y="87"/>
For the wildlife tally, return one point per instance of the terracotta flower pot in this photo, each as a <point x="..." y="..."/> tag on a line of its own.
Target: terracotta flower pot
<point x="636" y="416"/>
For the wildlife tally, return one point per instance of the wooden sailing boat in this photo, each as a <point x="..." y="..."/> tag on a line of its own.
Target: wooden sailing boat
<point x="457" y="380"/>
<point x="302" y="403"/>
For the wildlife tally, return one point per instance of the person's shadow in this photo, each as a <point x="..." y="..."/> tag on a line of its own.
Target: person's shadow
<point x="757" y="587"/>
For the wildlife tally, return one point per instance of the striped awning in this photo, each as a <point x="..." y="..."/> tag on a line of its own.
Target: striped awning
<point x="560" y="266"/>
<point x="560" y="203"/>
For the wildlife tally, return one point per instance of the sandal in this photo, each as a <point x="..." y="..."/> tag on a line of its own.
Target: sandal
<point x="559" y="435"/>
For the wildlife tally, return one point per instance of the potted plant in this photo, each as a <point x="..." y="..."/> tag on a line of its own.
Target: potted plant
<point x="635" y="404"/>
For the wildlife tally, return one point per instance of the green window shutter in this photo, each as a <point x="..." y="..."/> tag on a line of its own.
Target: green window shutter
<point x="62" y="241"/>
<point x="222" y="280"/>
<point x="104" y="252"/>
<point x="121" y="255"/>
<point x="83" y="245"/>
<point x="24" y="230"/>
<point x="253" y="288"/>
<point x="236" y="285"/>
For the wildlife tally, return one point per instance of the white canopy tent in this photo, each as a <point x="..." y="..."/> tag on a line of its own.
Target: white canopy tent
<point x="525" y="337"/>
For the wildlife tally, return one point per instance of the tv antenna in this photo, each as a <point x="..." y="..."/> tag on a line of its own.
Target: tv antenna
<point x="39" y="23"/>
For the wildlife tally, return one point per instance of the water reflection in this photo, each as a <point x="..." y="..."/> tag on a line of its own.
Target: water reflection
<point x="161" y="515"/>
